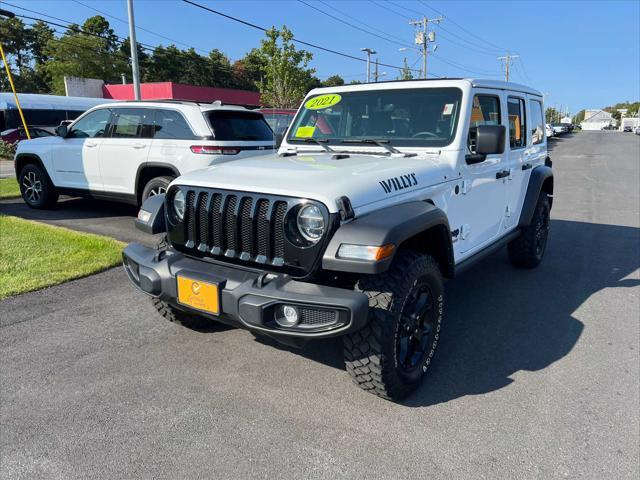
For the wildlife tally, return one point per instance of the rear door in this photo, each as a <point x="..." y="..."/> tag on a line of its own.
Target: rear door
<point x="518" y="151"/>
<point x="75" y="157"/>
<point x="125" y="149"/>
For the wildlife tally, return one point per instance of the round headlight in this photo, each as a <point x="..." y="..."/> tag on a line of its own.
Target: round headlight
<point x="311" y="223"/>
<point x="178" y="204"/>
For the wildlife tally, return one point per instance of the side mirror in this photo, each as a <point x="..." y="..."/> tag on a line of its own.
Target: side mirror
<point x="66" y="122"/>
<point x="490" y="139"/>
<point x="62" y="131"/>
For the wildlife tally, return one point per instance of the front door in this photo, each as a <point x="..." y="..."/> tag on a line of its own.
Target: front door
<point x="75" y="157"/>
<point x="125" y="149"/>
<point x="482" y="203"/>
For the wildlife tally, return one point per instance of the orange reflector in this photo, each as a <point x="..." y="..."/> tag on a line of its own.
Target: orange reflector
<point x="384" y="251"/>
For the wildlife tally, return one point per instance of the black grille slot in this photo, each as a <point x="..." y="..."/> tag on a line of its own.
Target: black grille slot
<point x="216" y="221"/>
<point x="278" y="229"/>
<point x="231" y="224"/>
<point x="263" y="228"/>
<point x="190" y="220"/>
<point x="246" y="226"/>
<point x="317" y="317"/>
<point x="203" y="221"/>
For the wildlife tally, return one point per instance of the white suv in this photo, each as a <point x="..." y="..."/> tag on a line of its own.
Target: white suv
<point x="130" y="151"/>
<point x="378" y="192"/>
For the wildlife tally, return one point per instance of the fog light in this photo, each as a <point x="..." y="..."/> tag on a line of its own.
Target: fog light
<point x="288" y="316"/>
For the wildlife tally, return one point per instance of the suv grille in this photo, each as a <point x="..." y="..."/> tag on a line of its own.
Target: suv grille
<point x="234" y="225"/>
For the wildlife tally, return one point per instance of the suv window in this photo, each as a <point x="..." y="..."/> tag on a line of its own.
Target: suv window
<point x="92" y="125"/>
<point x="230" y="125"/>
<point x="485" y="111"/>
<point x="517" y="124"/>
<point x="171" y="124"/>
<point x="537" y="122"/>
<point x="130" y="122"/>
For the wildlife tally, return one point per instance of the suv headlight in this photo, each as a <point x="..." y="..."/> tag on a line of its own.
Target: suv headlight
<point x="179" y="205"/>
<point x="311" y="223"/>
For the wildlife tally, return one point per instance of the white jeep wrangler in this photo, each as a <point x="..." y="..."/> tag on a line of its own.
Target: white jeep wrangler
<point x="377" y="192"/>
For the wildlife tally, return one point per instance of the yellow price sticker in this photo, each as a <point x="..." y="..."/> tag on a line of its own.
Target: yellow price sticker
<point x="323" y="101"/>
<point x="305" y="132"/>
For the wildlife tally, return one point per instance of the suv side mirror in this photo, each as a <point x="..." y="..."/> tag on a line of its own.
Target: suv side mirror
<point x="490" y="139"/>
<point x="62" y="131"/>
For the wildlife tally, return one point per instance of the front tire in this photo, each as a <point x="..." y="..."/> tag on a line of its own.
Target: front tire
<point x="172" y="314"/>
<point x="527" y="251"/>
<point x="35" y="187"/>
<point x="155" y="186"/>
<point x="390" y="356"/>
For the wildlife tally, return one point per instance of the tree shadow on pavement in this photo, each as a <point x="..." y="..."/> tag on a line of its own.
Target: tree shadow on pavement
<point x="501" y="320"/>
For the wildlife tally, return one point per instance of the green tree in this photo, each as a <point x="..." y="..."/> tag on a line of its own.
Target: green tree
<point x="578" y="117"/>
<point x="79" y="54"/>
<point x="405" y="73"/>
<point x="248" y="72"/>
<point x="286" y="77"/>
<point x="333" y="81"/>
<point x="552" y="115"/>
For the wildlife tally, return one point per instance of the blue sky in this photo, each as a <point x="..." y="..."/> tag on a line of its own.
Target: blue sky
<point x="580" y="53"/>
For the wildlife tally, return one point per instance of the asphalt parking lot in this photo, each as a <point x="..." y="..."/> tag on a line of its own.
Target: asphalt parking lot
<point x="537" y="374"/>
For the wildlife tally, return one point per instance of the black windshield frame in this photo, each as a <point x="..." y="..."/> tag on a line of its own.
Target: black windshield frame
<point x="413" y="102"/>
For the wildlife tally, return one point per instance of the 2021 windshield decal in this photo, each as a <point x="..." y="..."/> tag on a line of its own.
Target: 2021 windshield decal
<point x="395" y="184"/>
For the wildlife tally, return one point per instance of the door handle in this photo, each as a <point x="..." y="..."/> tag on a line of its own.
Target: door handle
<point x="502" y="174"/>
<point x="91" y="144"/>
<point x="526" y="166"/>
<point x="139" y="145"/>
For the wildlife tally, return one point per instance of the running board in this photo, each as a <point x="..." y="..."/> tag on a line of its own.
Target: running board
<point x="485" y="252"/>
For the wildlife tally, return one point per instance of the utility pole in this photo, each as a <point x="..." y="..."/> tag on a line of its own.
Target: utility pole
<point x="424" y="37"/>
<point x="375" y="72"/>
<point x="134" y="51"/>
<point x="507" y="60"/>
<point x="369" y="52"/>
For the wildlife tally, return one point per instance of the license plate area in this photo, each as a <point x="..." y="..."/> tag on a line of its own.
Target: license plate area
<point x="199" y="294"/>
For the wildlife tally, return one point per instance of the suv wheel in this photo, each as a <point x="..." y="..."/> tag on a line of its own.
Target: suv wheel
<point x="171" y="313"/>
<point x="35" y="187"/>
<point x="528" y="249"/>
<point x="156" y="186"/>
<point x="392" y="353"/>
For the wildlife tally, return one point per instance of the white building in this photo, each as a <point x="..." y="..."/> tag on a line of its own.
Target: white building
<point x="597" y="120"/>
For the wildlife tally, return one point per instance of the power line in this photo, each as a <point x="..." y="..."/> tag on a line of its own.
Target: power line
<point x="461" y="27"/>
<point x="301" y="42"/>
<point x="386" y="7"/>
<point x="138" y="27"/>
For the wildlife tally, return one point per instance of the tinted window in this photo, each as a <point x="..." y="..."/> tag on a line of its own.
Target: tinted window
<point x="406" y="117"/>
<point x="130" y="122"/>
<point x="485" y="111"/>
<point x="537" y="122"/>
<point x="517" y="126"/>
<point x="231" y="125"/>
<point x="92" y="125"/>
<point x="171" y="124"/>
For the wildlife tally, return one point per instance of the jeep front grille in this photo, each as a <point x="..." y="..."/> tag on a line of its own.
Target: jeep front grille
<point x="236" y="225"/>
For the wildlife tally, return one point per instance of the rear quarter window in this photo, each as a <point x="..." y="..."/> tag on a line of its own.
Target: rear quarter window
<point x="241" y="126"/>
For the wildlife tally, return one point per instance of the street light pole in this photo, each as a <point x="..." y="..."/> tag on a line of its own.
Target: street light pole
<point x="134" y="51"/>
<point x="369" y="52"/>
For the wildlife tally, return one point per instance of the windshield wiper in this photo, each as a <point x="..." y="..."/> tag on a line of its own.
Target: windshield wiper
<point x="320" y="142"/>
<point x="379" y="142"/>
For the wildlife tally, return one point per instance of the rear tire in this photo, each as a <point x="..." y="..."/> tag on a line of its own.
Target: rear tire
<point x="390" y="356"/>
<point x="155" y="186"/>
<point x="36" y="188"/>
<point x="527" y="251"/>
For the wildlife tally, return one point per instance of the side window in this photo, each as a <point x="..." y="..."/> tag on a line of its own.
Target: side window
<point x="517" y="125"/>
<point x="537" y="122"/>
<point x="92" y="125"/>
<point x="130" y="122"/>
<point x="171" y="124"/>
<point x="485" y="111"/>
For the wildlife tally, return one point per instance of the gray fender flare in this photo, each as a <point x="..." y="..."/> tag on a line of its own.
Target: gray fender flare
<point x="539" y="176"/>
<point x="395" y="225"/>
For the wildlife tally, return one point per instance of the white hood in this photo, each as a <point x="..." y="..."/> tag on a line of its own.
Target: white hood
<point x="364" y="179"/>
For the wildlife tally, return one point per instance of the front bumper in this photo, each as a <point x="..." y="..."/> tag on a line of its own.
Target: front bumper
<point x="249" y="298"/>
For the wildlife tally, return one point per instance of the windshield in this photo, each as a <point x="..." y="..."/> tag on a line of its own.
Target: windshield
<point x="425" y="117"/>
<point x="232" y="125"/>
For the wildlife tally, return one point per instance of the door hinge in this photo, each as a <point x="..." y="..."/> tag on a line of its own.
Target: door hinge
<point x="466" y="186"/>
<point x="464" y="232"/>
<point x="507" y="211"/>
